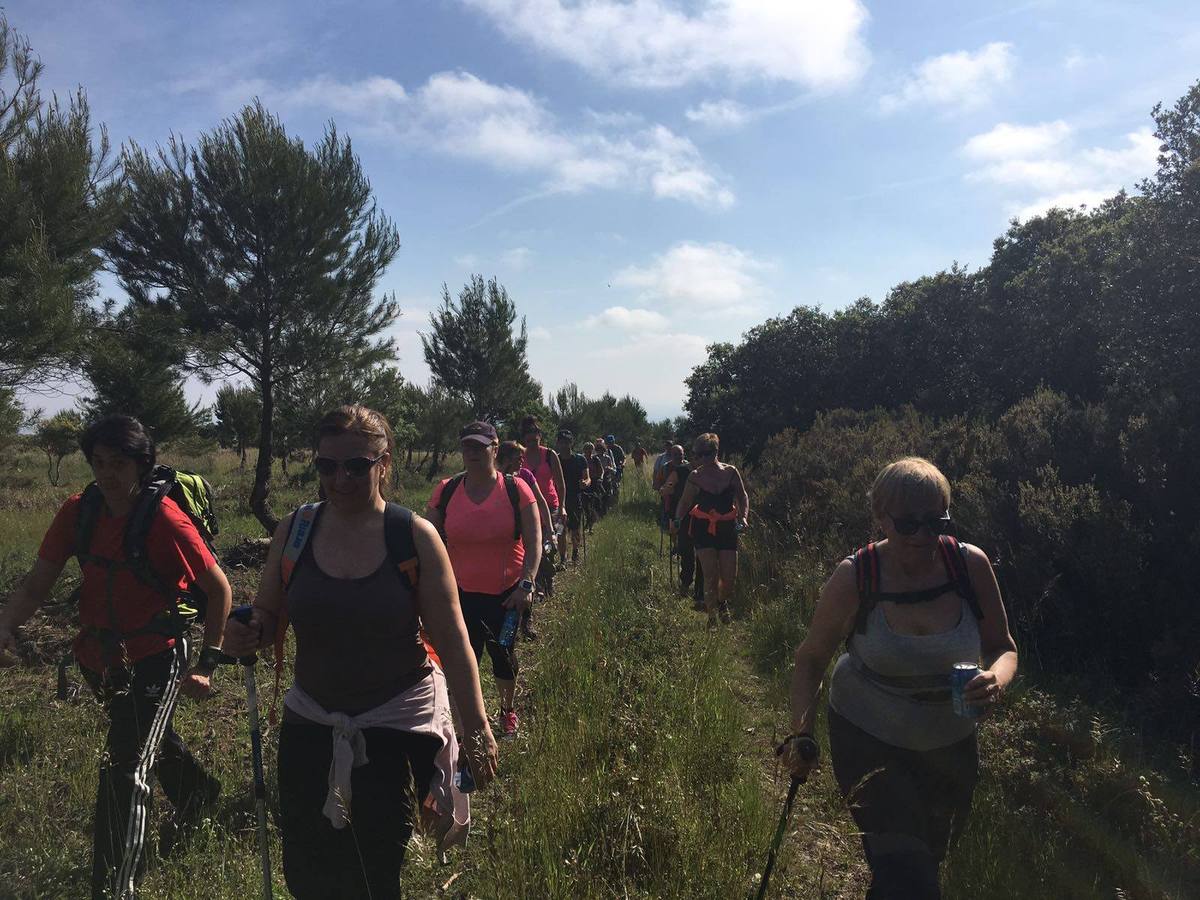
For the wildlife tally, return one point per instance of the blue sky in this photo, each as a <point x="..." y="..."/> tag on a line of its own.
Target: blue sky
<point x="646" y="177"/>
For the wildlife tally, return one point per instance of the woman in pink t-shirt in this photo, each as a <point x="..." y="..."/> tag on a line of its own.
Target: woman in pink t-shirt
<point x="495" y="547"/>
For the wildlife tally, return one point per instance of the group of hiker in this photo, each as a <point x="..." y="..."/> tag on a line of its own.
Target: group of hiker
<point x="385" y="726"/>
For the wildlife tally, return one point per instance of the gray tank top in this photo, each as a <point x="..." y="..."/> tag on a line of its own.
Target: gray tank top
<point x="896" y="687"/>
<point x="357" y="639"/>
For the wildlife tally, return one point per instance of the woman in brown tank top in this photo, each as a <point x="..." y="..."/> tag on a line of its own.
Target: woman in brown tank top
<point x="343" y="595"/>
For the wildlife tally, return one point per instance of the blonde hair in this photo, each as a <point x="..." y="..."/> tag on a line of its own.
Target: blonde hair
<point x="907" y="484"/>
<point x="509" y="449"/>
<point x="354" y="418"/>
<point x="706" y="443"/>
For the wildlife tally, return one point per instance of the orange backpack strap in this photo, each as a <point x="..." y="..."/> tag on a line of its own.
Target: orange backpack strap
<point x="298" y="535"/>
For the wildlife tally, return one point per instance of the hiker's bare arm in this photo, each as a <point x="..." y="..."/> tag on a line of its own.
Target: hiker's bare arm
<point x="543" y="508"/>
<point x="999" y="648"/>
<point x="531" y="537"/>
<point x="437" y="601"/>
<point x="434" y="517"/>
<point x="741" y="499"/>
<point x="688" y="498"/>
<point x="556" y="472"/>
<point x="667" y="488"/>
<point x="831" y="622"/>
<point x="240" y="639"/>
<point x="220" y="599"/>
<point x="22" y="603"/>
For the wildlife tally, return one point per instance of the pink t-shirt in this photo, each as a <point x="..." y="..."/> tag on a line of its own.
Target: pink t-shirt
<point x="545" y="476"/>
<point x="479" y="537"/>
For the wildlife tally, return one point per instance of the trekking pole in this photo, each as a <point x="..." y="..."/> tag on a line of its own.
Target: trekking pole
<point x="808" y="754"/>
<point x="242" y="614"/>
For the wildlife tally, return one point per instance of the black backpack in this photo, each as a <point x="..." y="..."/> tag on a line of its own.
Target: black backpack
<point x="510" y="486"/>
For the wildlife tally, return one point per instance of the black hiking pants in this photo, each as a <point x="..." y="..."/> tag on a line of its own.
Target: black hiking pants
<point x="363" y="859"/>
<point x="911" y="806"/>
<point x="140" y="746"/>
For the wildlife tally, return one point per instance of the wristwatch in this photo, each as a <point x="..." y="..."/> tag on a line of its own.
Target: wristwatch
<point x="210" y="658"/>
<point x="526" y="585"/>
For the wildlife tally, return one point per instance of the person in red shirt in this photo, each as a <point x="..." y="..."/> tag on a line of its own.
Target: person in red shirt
<point x="135" y="663"/>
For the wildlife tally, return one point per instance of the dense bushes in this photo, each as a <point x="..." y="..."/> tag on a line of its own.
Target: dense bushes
<point x="1097" y="582"/>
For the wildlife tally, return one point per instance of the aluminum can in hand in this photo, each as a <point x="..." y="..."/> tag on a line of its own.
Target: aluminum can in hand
<point x="960" y="677"/>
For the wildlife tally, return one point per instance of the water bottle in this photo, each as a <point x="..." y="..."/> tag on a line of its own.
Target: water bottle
<point x="508" y="631"/>
<point x="558" y="528"/>
<point x="464" y="780"/>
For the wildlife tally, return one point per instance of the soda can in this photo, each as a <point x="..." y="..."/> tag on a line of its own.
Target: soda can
<point x="960" y="677"/>
<point x="464" y="780"/>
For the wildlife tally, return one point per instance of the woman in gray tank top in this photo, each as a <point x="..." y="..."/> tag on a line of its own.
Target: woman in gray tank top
<point x="908" y="609"/>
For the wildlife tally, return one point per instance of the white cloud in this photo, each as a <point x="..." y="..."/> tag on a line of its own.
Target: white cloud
<point x="467" y="261"/>
<point x="539" y="333"/>
<point x="703" y="278"/>
<point x="1041" y="161"/>
<point x="517" y="258"/>
<point x="1007" y="141"/>
<point x="628" y="319"/>
<point x="721" y="114"/>
<point x="508" y="129"/>
<point x="661" y="44"/>
<point x="954" y="81"/>
<point x="653" y="350"/>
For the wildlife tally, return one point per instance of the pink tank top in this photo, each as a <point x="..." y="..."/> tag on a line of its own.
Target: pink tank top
<point x="545" y="478"/>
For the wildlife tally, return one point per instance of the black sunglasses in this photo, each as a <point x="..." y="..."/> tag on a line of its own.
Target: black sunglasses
<point x="355" y="467"/>
<point x="909" y="525"/>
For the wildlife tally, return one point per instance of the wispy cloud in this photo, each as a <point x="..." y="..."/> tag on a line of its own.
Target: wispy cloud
<point x="517" y="259"/>
<point x="954" y="81"/>
<point x="1045" y="163"/>
<point x="662" y="44"/>
<point x="709" y="279"/>
<point x="719" y="114"/>
<point x="511" y="130"/>
<point x="625" y="319"/>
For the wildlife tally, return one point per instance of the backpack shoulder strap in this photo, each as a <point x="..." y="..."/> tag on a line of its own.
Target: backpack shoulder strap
<point x="401" y="548"/>
<point x="297" y="539"/>
<point x="954" y="559"/>
<point x="866" y="571"/>
<point x="447" y="493"/>
<point x="90" y="504"/>
<point x="514" y="497"/>
<point x="145" y="508"/>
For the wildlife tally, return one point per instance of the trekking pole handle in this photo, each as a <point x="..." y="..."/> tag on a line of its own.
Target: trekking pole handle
<point x="808" y="750"/>
<point x="241" y="614"/>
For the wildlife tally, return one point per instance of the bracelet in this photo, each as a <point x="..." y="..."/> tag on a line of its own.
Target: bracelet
<point x="809" y="749"/>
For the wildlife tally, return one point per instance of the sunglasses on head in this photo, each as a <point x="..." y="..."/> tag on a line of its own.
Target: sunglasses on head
<point x="355" y="467"/>
<point x="910" y="525"/>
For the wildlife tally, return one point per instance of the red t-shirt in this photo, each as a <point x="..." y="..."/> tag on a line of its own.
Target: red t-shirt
<point x="479" y="537"/>
<point x="176" y="553"/>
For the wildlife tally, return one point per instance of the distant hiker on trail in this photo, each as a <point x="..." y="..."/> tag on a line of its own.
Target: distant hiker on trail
<point x="545" y="465"/>
<point x="618" y="455"/>
<point x="713" y="508"/>
<point x="672" y="492"/>
<point x="593" y="496"/>
<point x="659" y="474"/>
<point x="575" y="473"/>
<point x="494" y="537"/>
<point x="367" y="742"/>
<point x="610" y="473"/>
<point x="910" y="608"/>
<point x="508" y="460"/>
<point x="639" y="456"/>
<point x="141" y="557"/>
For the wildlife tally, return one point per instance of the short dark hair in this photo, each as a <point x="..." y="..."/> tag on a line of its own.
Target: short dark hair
<point x="529" y="425"/>
<point x="125" y="434"/>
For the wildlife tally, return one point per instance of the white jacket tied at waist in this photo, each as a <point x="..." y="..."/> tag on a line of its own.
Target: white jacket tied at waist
<point x="422" y="709"/>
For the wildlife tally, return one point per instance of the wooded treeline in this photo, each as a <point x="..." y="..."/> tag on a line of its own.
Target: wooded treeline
<point x="1058" y="387"/>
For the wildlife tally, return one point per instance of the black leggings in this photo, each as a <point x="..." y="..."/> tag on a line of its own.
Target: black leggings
<point x="484" y="617"/>
<point x="911" y="806"/>
<point x="364" y="858"/>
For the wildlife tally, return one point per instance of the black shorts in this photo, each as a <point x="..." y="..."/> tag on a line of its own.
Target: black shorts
<point x="574" y="512"/>
<point x="484" y="617"/>
<point x="726" y="537"/>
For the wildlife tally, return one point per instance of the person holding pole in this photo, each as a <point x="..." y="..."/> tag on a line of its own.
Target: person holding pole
<point x="133" y="646"/>
<point x="367" y="744"/>
<point x="914" y="609"/>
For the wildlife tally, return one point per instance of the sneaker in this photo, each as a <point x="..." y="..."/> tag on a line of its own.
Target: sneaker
<point x="508" y="723"/>
<point x="723" y="612"/>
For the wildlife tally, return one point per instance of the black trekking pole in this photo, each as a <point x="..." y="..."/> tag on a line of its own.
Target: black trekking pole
<point x="242" y="614"/>
<point x="808" y="753"/>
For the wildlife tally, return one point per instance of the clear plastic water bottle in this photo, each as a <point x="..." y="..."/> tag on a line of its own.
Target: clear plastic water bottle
<point x="508" y="631"/>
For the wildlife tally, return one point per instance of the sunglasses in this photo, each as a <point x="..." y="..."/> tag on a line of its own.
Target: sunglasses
<point x="910" y="525"/>
<point x="355" y="467"/>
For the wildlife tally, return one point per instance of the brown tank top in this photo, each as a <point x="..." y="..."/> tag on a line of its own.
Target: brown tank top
<point x="357" y="639"/>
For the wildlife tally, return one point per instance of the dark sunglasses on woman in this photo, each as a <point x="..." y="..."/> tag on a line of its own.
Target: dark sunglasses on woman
<point x="355" y="467"/>
<point x="909" y="525"/>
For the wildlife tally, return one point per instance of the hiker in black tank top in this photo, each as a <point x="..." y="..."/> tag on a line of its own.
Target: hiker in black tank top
<point x="358" y="654"/>
<point x="907" y="611"/>
<point x="714" y="507"/>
